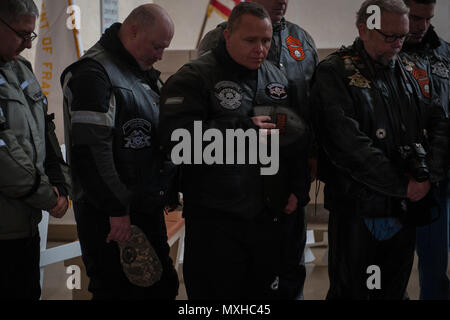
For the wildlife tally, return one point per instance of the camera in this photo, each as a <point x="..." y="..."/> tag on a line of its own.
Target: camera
<point x="414" y="159"/>
<point x="3" y="122"/>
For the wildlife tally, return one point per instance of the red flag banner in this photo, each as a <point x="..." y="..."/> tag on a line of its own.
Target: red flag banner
<point x="222" y="7"/>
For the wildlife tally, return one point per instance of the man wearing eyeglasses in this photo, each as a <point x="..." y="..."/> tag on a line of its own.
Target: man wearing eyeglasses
<point x="433" y="240"/>
<point x="33" y="175"/>
<point x="376" y="136"/>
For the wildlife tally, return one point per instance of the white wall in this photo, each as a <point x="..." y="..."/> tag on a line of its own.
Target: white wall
<point x="330" y="22"/>
<point x="90" y="20"/>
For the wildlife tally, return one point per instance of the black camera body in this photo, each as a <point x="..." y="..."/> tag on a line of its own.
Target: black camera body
<point x="3" y="122"/>
<point x="414" y="161"/>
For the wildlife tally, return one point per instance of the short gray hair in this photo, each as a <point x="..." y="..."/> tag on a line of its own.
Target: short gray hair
<point x="395" y="6"/>
<point x="10" y="10"/>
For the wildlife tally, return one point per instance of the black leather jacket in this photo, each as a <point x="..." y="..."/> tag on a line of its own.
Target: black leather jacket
<point x="197" y="93"/>
<point x="365" y="111"/>
<point x="436" y="53"/>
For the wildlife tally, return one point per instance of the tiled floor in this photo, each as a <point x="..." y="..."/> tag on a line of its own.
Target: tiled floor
<point x="316" y="285"/>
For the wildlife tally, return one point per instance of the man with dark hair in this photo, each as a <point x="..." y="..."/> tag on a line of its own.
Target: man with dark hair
<point x="111" y="111"/>
<point x="376" y="134"/>
<point x="425" y="46"/>
<point x="293" y="51"/>
<point x="33" y="175"/>
<point x="232" y="248"/>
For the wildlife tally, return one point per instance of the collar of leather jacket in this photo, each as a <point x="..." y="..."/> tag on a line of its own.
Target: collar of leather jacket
<point x="279" y="26"/>
<point x="224" y="58"/>
<point x="431" y="41"/>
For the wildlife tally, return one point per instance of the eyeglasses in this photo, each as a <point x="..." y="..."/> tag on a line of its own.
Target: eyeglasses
<point x="25" y="37"/>
<point x="391" y="38"/>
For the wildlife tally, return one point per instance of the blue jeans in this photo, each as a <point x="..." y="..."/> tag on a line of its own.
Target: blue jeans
<point x="432" y="248"/>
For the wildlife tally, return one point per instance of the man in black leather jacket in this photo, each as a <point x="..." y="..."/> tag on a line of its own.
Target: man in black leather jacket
<point x="111" y="119"/>
<point x="232" y="248"/>
<point x="294" y="52"/>
<point x="424" y="45"/>
<point x="368" y="108"/>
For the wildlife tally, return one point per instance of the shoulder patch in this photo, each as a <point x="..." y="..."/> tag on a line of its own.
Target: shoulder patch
<point x="440" y="69"/>
<point x="422" y="79"/>
<point x="2" y="81"/>
<point x="295" y="48"/>
<point x="2" y="143"/>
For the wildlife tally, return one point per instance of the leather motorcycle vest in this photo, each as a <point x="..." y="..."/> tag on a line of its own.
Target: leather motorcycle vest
<point x="135" y="143"/>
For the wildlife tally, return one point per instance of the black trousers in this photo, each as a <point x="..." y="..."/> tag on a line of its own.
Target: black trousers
<point x="353" y="249"/>
<point x="19" y="269"/>
<point x="293" y="242"/>
<point x="228" y="259"/>
<point x="102" y="260"/>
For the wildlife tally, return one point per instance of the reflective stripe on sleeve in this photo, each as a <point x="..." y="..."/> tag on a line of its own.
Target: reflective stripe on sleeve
<point x="97" y="118"/>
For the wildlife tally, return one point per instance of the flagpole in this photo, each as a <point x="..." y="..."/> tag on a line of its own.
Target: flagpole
<point x="204" y="24"/>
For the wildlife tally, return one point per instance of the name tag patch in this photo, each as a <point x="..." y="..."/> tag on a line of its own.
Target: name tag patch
<point x="276" y="91"/>
<point x="175" y="100"/>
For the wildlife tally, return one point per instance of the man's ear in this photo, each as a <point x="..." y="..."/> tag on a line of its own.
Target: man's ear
<point x="134" y="31"/>
<point x="363" y="31"/>
<point x="226" y="35"/>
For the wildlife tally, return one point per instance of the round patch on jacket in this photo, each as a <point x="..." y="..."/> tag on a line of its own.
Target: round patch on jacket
<point x="229" y="94"/>
<point x="276" y="91"/>
<point x="137" y="134"/>
<point x="381" y="134"/>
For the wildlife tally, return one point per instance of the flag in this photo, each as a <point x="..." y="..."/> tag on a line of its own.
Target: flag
<point x="59" y="45"/>
<point x="222" y="7"/>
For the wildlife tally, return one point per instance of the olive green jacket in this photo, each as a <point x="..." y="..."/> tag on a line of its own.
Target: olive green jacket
<point x="30" y="158"/>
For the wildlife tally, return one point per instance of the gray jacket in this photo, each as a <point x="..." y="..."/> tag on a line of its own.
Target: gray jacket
<point x="30" y="159"/>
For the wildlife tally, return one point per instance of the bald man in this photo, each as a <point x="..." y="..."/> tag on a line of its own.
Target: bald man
<point x="111" y="116"/>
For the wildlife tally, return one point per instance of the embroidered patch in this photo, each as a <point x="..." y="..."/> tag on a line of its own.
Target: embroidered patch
<point x="137" y="134"/>
<point x="358" y="80"/>
<point x="2" y="81"/>
<point x="440" y="69"/>
<point x="175" y="100"/>
<point x="229" y="94"/>
<point x="295" y="48"/>
<point x="276" y="91"/>
<point x="2" y="143"/>
<point x="422" y="79"/>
